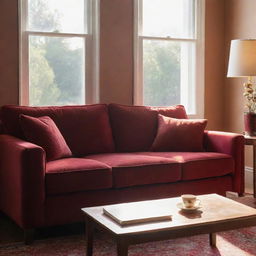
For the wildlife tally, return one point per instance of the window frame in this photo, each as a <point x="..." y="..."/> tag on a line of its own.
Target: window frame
<point x="199" y="56"/>
<point x="91" y="56"/>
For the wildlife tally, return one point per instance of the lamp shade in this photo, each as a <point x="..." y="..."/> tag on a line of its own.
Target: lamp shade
<point x="242" y="58"/>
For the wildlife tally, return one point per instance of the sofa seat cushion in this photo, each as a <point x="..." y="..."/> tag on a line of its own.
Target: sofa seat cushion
<point x="131" y="169"/>
<point x="199" y="165"/>
<point x="76" y="174"/>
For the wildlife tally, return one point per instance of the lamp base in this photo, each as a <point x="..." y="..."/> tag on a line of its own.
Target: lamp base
<point x="250" y="123"/>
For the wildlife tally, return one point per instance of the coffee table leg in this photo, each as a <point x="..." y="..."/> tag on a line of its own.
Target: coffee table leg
<point x="89" y="237"/>
<point x="212" y="237"/>
<point x="122" y="247"/>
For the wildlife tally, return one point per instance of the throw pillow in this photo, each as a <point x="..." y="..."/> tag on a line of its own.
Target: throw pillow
<point x="44" y="132"/>
<point x="181" y="135"/>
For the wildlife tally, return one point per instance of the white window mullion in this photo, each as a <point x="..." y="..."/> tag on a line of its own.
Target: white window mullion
<point x="199" y="66"/>
<point x="92" y="53"/>
<point x="95" y="62"/>
<point x="88" y="74"/>
<point x="138" y="55"/>
<point x="23" y="54"/>
<point x="88" y="54"/>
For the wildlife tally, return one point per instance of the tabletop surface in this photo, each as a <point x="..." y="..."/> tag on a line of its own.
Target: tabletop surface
<point x="214" y="209"/>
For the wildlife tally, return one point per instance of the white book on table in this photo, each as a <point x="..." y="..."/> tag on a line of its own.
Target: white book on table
<point x="138" y="212"/>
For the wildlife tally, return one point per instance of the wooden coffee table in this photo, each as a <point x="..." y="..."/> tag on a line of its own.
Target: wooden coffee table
<point x="217" y="214"/>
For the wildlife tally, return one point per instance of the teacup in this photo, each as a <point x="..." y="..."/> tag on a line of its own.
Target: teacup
<point x="189" y="201"/>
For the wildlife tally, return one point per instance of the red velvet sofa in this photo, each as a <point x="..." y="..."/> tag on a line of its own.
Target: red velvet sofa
<point x="111" y="163"/>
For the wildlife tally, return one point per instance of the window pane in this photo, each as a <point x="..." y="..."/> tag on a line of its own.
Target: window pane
<point x="173" y="18"/>
<point x="65" y="16"/>
<point x="56" y="71"/>
<point x="168" y="73"/>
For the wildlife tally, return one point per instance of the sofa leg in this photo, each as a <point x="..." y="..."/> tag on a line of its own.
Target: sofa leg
<point x="29" y="236"/>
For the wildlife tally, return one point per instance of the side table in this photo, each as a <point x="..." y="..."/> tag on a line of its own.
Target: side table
<point x="249" y="140"/>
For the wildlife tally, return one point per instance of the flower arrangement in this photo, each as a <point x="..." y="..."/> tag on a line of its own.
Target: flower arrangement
<point x="250" y="96"/>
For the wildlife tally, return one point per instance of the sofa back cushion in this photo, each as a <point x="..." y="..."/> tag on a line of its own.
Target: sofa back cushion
<point x="177" y="111"/>
<point x="85" y="128"/>
<point x="134" y="127"/>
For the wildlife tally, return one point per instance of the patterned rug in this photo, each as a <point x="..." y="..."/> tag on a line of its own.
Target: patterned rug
<point x="241" y="242"/>
<point x="234" y="243"/>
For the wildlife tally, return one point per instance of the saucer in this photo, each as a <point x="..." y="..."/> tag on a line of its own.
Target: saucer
<point x="183" y="208"/>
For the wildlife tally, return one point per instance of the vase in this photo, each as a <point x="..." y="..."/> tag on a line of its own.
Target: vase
<point x="250" y="123"/>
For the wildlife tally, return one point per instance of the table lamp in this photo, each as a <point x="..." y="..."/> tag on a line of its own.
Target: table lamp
<point x="242" y="63"/>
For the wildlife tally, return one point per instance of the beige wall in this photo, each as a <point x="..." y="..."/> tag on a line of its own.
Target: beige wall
<point x="116" y="51"/>
<point x="240" y="22"/>
<point x="214" y="63"/>
<point x="8" y="52"/>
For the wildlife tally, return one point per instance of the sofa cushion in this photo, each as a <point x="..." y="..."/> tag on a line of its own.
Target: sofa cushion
<point x="179" y="134"/>
<point x="134" y="127"/>
<point x="199" y="165"/>
<point x="131" y="169"/>
<point x="42" y="131"/>
<point x="76" y="174"/>
<point x="86" y="129"/>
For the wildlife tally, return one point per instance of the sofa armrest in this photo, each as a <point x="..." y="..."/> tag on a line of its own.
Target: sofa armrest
<point x="231" y="144"/>
<point x="22" y="172"/>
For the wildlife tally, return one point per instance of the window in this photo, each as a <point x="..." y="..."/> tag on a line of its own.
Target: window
<point x="58" y="43"/>
<point x="169" y="54"/>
